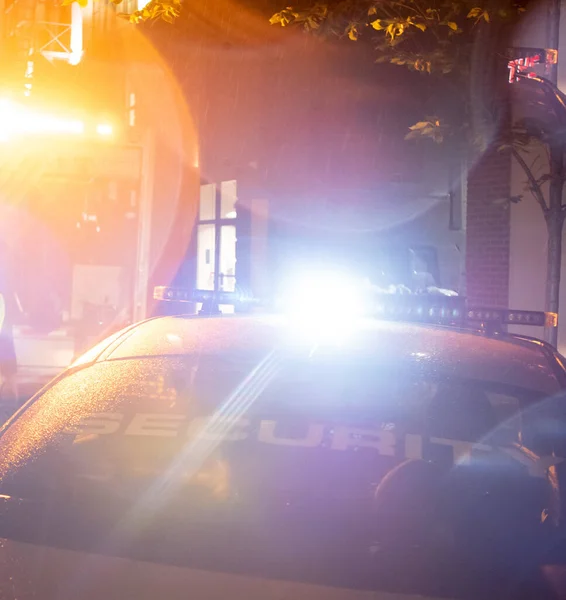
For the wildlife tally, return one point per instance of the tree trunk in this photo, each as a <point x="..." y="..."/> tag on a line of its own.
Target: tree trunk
<point x="554" y="226"/>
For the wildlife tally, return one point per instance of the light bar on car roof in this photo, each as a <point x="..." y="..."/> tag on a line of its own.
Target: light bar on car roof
<point x="423" y="308"/>
<point x="171" y="294"/>
<point x="448" y="310"/>
<point x="512" y="317"/>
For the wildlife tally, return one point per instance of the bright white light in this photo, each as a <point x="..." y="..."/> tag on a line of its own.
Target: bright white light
<point x="19" y="120"/>
<point x="231" y="215"/>
<point x="324" y="307"/>
<point x="142" y="4"/>
<point x="76" y="43"/>
<point x="75" y="58"/>
<point x="104" y="129"/>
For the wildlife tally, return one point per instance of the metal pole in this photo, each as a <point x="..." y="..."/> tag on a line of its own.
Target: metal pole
<point x="217" y="236"/>
<point x="464" y="218"/>
<point x="553" y="34"/>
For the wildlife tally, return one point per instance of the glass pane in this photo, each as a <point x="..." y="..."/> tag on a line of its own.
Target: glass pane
<point x="229" y="196"/>
<point x="506" y="409"/>
<point x="207" y="201"/>
<point x="205" y="257"/>
<point x="228" y="258"/>
<point x="463" y="411"/>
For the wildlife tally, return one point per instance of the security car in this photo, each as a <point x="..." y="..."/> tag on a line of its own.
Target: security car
<point x="413" y="449"/>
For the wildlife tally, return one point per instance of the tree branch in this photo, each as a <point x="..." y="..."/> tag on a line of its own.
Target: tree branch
<point x="535" y="188"/>
<point x="536" y="159"/>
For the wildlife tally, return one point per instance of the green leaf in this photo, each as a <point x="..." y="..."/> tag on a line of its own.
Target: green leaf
<point x="452" y="25"/>
<point x="377" y="24"/>
<point x="475" y="12"/>
<point x="486" y="16"/>
<point x="420" y="26"/>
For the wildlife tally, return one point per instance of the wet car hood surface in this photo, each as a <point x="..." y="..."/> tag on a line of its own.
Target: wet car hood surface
<point x="468" y="354"/>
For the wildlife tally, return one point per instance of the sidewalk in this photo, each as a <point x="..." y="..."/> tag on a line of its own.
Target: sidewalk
<point x="40" y="358"/>
<point x="47" y="354"/>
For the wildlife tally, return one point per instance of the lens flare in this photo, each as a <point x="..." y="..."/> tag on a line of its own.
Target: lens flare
<point x="324" y="307"/>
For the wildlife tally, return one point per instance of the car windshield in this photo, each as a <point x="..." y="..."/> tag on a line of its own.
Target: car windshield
<point x="142" y="440"/>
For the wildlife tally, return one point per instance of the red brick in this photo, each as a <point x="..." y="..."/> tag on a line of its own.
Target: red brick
<point x="488" y="235"/>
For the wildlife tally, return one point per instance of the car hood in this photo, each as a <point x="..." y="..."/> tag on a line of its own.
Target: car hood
<point x="43" y="573"/>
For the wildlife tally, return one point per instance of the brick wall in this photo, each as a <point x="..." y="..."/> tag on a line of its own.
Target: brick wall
<point x="488" y="235"/>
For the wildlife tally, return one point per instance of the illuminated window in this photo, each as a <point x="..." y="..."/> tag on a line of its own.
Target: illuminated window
<point x="207" y="202"/>
<point x="228" y="258"/>
<point x="215" y="216"/>
<point x="205" y="258"/>
<point x="228" y="199"/>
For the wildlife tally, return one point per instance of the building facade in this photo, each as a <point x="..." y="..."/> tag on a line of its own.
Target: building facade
<point x="223" y="153"/>
<point x="100" y="167"/>
<point x="507" y="241"/>
<point x="312" y="142"/>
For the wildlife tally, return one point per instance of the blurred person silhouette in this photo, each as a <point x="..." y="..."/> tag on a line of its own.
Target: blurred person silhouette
<point x="9" y="306"/>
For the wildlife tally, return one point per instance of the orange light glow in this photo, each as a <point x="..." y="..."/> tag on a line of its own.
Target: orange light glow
<point x="104" y="129"/>
<point x="16" y="120"/>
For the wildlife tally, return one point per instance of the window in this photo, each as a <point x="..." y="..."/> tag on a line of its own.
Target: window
<point x="205" y="260"/>
<point x="474" y="413"/>
<point x="228" y="199"/>
<point x="207" y="202"/>
<point x="228" y="258"/>
<point x="96" y="441"/>
<point x="212" y="218"/>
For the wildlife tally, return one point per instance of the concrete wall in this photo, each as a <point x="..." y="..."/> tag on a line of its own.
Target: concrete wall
<point x="527" y="263"/>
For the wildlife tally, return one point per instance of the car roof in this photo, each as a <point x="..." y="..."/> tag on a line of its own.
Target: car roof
<point x="503" y="359"/>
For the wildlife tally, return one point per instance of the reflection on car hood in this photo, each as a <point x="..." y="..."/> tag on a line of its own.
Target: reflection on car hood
<point x="40" y="573"/>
